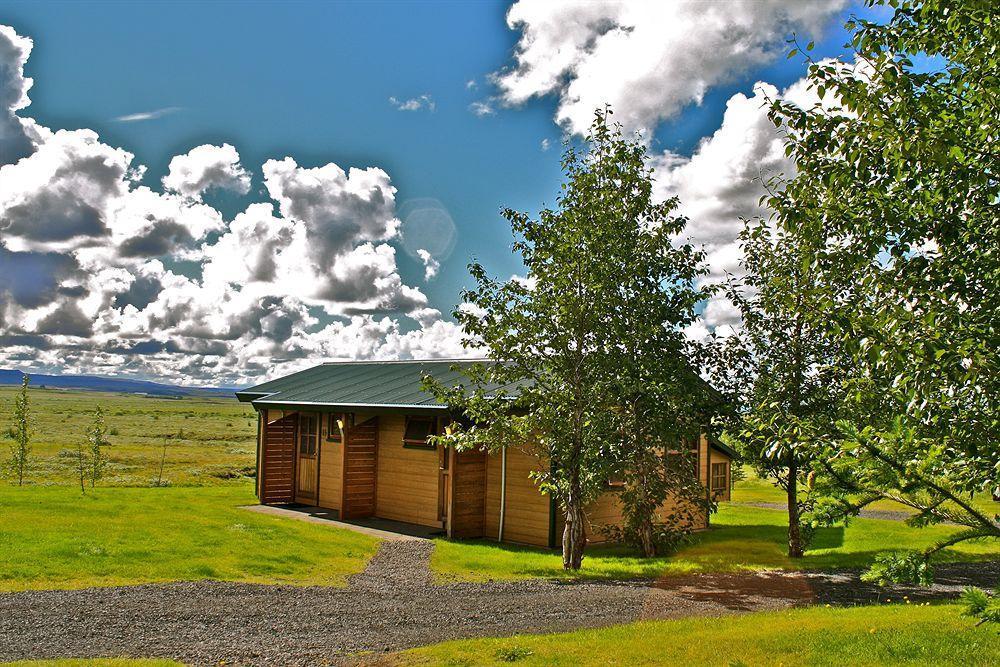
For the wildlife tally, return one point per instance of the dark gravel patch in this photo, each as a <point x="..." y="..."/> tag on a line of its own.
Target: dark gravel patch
<point x="391" y="606"/>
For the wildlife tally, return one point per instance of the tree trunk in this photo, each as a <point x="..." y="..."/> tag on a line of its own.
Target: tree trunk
<point x="645" y="523"/>
<point x="574" y="536"/>
<point x="646" y="542"/>
<point x="794" y="534"/>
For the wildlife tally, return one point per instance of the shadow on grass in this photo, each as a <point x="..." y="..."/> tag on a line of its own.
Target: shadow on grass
<point x="721" y="549"/>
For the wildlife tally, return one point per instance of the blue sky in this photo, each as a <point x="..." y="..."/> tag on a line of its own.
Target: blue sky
<point x="313" y="81"/>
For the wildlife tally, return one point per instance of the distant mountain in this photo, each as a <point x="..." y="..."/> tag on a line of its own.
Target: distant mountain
<point x="94" y="383"/>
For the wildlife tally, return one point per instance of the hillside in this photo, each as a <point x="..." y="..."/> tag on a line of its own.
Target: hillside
<point x="96" y="383"/>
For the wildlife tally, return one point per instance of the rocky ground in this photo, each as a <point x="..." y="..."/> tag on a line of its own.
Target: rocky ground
<point x="393" y="605"/>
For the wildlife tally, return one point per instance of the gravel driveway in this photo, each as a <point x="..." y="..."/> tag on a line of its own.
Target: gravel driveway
<point x="392" y="605"/>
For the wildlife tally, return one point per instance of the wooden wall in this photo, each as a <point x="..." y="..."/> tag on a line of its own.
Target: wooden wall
<point x="468" y="478"/>
<point x="407" y="478"/>
<point x="606" y="510"/>
<point x="331" y="468"/>
<point x="527" y="515"/>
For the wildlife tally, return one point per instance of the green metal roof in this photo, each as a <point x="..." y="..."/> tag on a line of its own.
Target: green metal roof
<point x="359" y="384"/>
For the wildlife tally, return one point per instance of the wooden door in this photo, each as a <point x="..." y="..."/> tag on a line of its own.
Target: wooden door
<point x="307" y="470"/>
<point x="360" y="470"/>
<point x="277" y="457"/>
<point x="466" y="494"/>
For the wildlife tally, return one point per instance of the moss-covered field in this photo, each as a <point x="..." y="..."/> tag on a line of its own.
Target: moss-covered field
<point x="208" y="441"/>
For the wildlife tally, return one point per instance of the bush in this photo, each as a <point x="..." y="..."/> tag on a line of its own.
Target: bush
<point x="981" y="605"/>
<point x="513" y="654"/>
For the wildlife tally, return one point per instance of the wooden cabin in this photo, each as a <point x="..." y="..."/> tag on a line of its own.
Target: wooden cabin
<point x="353" y="437"/>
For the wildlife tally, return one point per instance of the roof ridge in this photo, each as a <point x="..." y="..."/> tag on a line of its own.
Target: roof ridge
<point x="346" y="362"/>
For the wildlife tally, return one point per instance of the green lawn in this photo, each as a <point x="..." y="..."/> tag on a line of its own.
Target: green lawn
<point x="886" y="635"/>
<point x="54" y="537"/>
<point x="210" y="441"/>
<point x="752" y="489"/>
<point x="741" y="537"/>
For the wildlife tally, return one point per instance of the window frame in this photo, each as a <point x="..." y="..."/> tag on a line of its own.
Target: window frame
<point x="724" y="466"/>
<point x="332" y="432"/>
<point x="420" y="444"/>
<point x="303" y="434"/>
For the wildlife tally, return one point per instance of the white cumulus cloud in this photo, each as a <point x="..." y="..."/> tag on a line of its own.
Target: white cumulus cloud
<point x="205" y="167"/>
<point x="646" y="59"/>
<point x="90" y="255"/>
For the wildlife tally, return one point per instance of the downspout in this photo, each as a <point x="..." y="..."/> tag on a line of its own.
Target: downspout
<point x="260" y="442"/>
<point x="708" y="474"/>
<point x="503" y="490"/>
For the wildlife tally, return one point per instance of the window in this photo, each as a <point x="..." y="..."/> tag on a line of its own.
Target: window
<point x="307" y="435"/>
<point x="418" y="429"/>
<point x="333" y="433"/>
<point x="720" y="474"/>
<point x="616" y="482"/>
<point x="686" y="454"/>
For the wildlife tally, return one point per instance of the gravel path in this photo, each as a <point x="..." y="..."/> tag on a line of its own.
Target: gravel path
<point x="392" y="605"/>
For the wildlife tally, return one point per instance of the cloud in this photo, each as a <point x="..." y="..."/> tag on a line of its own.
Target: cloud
<point x="147" y="115"/>
<point x="102" y="274"/>
<point x="414" y="103"/>
<point x="675" y="51"/>
<point x="482" y="108"/>
<point x="16" y="134"/>
<point x="431" y="265"/>
<point x="721" y="183"/>
<point x="59" y="196"/>
<point x="206" y="167"/>
<point x="546" y="144"/>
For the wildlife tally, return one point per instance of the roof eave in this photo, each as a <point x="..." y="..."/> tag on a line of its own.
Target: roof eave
<point x="722" y="447"/>
<point x="374" y="408"/>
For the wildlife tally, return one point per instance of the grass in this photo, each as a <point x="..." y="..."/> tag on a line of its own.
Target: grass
<point x="741" y="538"/>
<point x="890" y="634"/>
<point x="51" y="536"/>
<point x="56" y="538"/>
<point x="753" y="489"/>
<point x="210" y="441"/>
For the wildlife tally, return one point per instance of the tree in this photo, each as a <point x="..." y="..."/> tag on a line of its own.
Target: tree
<point x="82" y="465"/>
<point x="658" y="405"/>
<point x="780" y="369"/>
<point x="20" y="451"/>
<point x="97" y="438"/>
<point x="559" y="338"/>
<point x="896" y="194"/>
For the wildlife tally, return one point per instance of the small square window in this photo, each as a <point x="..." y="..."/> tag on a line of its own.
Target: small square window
<point x="720" y="474"/>
<point x="418" y="429"/>
<point x="616" y="482"/>
<point x="333" y="433"/>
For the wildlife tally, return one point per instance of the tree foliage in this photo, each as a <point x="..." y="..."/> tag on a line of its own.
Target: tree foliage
<point x="589" y="343"/>
<point x="781" y="369"/>
<point x="896" y="197"/>
<point x="20" y="451"/>
<point x="97" y="439"/>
